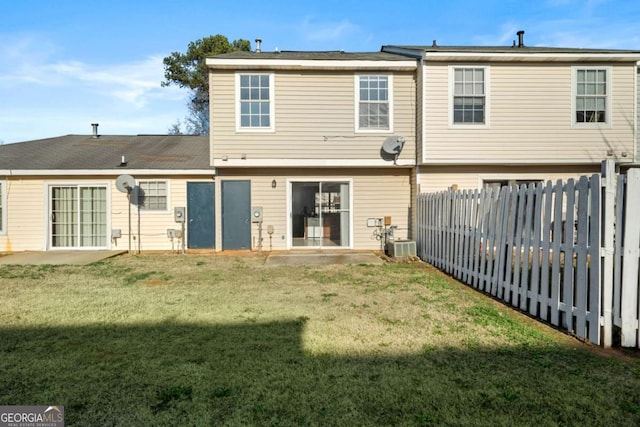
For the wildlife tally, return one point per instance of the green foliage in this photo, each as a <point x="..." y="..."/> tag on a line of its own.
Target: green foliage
<point x="189" y="70"/>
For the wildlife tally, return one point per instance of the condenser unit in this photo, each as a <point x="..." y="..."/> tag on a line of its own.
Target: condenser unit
<point x="400" y="248"/>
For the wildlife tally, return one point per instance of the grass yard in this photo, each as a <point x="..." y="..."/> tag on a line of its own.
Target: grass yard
<point x="169" y="340"/>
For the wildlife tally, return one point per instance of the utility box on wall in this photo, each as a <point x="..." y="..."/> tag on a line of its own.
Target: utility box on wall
<point x="179" y="214"/>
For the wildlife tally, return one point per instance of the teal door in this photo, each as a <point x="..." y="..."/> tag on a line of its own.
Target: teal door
<point x="201" y="215"/>
<point x="236" y="215"/>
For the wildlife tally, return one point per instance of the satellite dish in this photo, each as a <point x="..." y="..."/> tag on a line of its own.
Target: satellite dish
<point x="393" y="146"/>
<point x="125" y="183"/>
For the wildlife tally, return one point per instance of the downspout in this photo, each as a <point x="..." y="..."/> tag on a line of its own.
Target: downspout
<point x="635" y="115"/>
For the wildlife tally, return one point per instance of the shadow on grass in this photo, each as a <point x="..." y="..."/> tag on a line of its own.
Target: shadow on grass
<point x="260" y="374"/>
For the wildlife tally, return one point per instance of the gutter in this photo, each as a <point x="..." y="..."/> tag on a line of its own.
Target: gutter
<point x="105" y="172"/>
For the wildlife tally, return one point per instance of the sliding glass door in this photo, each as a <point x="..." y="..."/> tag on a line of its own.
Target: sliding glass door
<point x="78" y="216"/>
<point x="320" y="214"/>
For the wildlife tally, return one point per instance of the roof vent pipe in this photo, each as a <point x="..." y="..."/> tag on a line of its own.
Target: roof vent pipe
<point x="258" y="42"/>
<point x="95" y="129"/>
<point x="520" y="38"/>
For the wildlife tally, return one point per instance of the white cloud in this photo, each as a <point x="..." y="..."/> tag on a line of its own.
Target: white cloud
<point x="327" y="31"/>
<point x="44" y="95"/>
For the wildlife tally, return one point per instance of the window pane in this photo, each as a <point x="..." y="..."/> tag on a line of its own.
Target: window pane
<point x="245" y="121"/>
<point x="244" y="94"/>
<point x="264" y="80"/>
<point x="373" y="102"/>
<point x="255" y="80"/>
<point x="152" y="195"/>
<point x="244" y="81"/>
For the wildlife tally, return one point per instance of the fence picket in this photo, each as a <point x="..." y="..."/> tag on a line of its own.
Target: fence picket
<point x="630" y="251"/>
<point x="526" y="247"/>
<point x="594" y="301"/>
<point x="544" y="295"/>
<point x="554" y="304"/>
<point x="536" y="249"/>
<point x="491" y="239"/>
<point x="617" y="259"/>
<point x="502" y="243"/>
<point x="567" y="248"/>
<point x="579" y="288"/>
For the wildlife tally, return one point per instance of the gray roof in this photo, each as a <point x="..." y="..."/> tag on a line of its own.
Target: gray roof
<point x="71" y="152"/>
<point x="313" y="55"/>
<point x="508" y="49"/>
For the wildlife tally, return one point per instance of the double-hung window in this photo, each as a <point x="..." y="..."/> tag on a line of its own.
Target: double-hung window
<point x="3" y="207"/>
<point x="152" y="195"/>
<point x="374" y="96"/>
<point x="469" y="95"/>
<point x="255" y="101"/>
<point x="592" y="93"/>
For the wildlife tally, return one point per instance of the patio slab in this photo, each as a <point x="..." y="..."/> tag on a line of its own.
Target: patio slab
<point x="58" y="257"/>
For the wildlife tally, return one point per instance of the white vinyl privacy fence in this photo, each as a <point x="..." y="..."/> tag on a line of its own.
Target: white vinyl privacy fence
<point x="564" y="252"/>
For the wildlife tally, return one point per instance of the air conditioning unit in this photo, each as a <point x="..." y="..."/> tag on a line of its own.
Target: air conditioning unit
<point x="400" y="248"/>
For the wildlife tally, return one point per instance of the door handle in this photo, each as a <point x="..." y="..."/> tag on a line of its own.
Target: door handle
<point x="191" y="221"/>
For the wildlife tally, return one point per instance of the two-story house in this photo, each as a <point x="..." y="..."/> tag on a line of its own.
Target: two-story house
<point x="501" y="115"/>
<point x="324" y="146"/>
<point x="309" y="137"/>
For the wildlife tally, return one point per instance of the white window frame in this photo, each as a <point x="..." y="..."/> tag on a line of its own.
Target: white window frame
<point x="272" y="117"/>
<point x="290" y="181"/>
<point x="574" y="94"/>
<point x="47" y="211"/>
<point x="356" y="85"/>
<point x="145" y="211"/>
<point x="487" y="96"/>
<point x="3" y="207"/>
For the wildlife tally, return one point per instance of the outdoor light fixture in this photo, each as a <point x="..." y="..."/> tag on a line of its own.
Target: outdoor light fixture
<point x="274" y="184"/>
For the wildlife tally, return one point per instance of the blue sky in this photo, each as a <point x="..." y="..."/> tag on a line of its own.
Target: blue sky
<point x="67" y="64"/>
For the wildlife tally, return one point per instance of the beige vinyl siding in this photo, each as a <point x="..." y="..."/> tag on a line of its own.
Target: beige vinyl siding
<point x="375" y="192"/>
<point x="149" y="228"/>
<point x="530" y="118"/>
<point x="314" y="118"/>
<point x="439" y="178"/>
<point x="26" y="217"/>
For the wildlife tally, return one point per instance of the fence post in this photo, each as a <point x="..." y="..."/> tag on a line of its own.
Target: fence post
<point x="631" y="250"/>
<point x="610" y="182"/>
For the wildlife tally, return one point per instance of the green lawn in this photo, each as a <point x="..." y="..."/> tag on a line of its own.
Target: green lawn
<point x="169" y="340"/>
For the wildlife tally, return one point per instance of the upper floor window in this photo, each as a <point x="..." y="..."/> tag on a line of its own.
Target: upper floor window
<point x="592" y="95"/>
<point x="153" y="195"/>
<point x="373" y="100"/>
<point x="255" y="101"/>
<point x="3" y="210"/>
<point x="469" y="98"/>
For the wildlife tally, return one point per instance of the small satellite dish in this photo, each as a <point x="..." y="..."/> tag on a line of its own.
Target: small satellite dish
<point x="125" y="183"/>
<point x="393" y="146"/>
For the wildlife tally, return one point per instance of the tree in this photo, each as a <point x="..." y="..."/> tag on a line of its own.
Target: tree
<point x="189" y="70"/>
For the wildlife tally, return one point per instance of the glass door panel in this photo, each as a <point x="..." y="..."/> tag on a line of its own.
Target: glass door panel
<point x="64" y="217"/>
<point x="320" y="214"/>
<point x="78" y="217"/>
